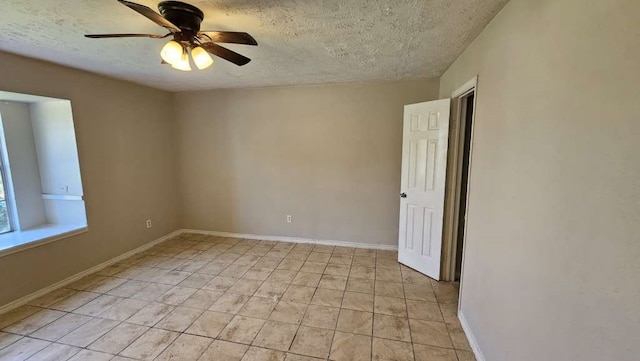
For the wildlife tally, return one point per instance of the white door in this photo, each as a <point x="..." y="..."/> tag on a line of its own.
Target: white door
<point x="424" y="165"/>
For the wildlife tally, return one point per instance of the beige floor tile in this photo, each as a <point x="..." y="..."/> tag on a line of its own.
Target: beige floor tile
<point x="118" y="338"/>
<point x="319" y="257"/>
<point x="257" y="274"/>
<point x="213" y="268"/>
<point x="129" y="288"/>
<point x="333" y="282"/>
<point x="288" y="312"/>
<point x="7" y="339"/>
<point x="220" y="284"/>
<point x="390" y="327"/>
<point x="52" y="297"/>
<point x="98" y="305"/>
<point x="446" y="292"/>
<point x="350" y="347"/>
<point x="414" y="277"/>
<point x="430" y="333"/>
<point x="358" y="301"/>
<point x="258" y="307"/>
<point x="430" y="353"/>
<point x="229" y="303"/>
<point x="150" y="345"/>
<point x="313" y="267"/>
<point x="365" y="252"/>
<point x="330" y="298"/>
<point x="389" y="289"/>
<point x="360" y="285"/>
<point x="185" y="348"/>
<point x="389" y="350"/>
<point x="465" y="355"/>
<point x="344" y="250"/>
<point x="177" y="295"/>
<point x="458" y="338"/>
<point x="196" y="280"/>
<point x="340" y="270"/>
<point x="123" y="309"/>
<point x="241" y="329"/>
<point x="388" y="274"/>
<point x="105" y="285"/>
<point x="276" y="335"/>
<point x="341" y="259"/>
<point x="282" y="276"/>
<point x="224" y="351"/>
<point x="355" y="322"/>
<point x="60" y="327"/>
<point x="271" y="290"/>
<point x="33" y="322"/>
<point x="23" y="349"/>
<point x="152" y="292"/>
<point x="245" y="287"/>
<point x="321" y="317"/>
<point x="88" y="333"/>
<point x="290" y="265"/>
<point x="16" y="315"/>
<point x="268" y="262"/>
<point x="298" y="294"/>
<point x="307" y="279"/>
<point x="89" y="355"/>
<point x="209" y="324"/>
<point x="362" y="272"/>
<point x="76" y="300"/>
<point x="55" y="352"/>
<point x="315" y="342"/>
<point x="390" y="306"/>
<point x="364" y="261"/>
<point x="202" y="299"/>
<point x="179" y="319"/>
<point x="151" y="314"/>
<point x="419" y="292"/>
<point x="449" y="312"/>
<point x="294" y="357"/>
<point x="427" y="311"/>
<point x="262" y="354"/>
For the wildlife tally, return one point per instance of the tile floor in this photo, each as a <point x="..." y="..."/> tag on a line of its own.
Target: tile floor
<point x="197" y="297"/>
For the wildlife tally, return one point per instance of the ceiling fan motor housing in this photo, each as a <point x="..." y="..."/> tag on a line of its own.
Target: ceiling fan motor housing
<point x="187" y="17"/>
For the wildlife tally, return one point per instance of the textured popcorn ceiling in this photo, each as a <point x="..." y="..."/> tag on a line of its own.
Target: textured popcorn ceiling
<point x="301" y="41"/>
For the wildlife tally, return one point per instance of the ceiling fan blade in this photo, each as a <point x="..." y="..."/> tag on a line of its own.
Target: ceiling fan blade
<point x="229" y="37"/>
<point x="226" y="54"/>
<point x="103" y="36"/>
<point x="151" y="15"/>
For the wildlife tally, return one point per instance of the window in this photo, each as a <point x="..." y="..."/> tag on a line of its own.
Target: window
<point x="41" y="194"/>
<point x="5" y="221"/>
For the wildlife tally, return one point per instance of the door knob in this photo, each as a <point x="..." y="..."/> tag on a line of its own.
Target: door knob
<point x="403" y="195"/>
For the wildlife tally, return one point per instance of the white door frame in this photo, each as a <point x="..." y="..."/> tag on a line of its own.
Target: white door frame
<point x="453" y="200"/>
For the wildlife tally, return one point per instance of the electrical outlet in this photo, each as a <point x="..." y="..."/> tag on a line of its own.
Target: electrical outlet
<point x="289" y="219"/>
<point x="148" y="223"/>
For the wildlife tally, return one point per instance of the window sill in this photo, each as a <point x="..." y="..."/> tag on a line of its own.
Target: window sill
<point x="22" y="240"/>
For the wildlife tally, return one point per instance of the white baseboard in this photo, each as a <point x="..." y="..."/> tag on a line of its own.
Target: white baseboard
<point x="294" y="240"/>
<point x="472" y="339"/>
<point x="28" y="298"/>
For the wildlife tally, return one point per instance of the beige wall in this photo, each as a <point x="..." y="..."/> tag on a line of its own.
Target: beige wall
<point x="552" y="266"/>
<point x="327" y="155"/>
<point x="125" y="142"/>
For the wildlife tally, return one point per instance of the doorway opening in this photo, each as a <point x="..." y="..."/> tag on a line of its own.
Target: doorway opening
<point x="458" y="172"/>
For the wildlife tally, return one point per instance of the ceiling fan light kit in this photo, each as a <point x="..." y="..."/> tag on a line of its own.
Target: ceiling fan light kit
<point x="183" y="22"/>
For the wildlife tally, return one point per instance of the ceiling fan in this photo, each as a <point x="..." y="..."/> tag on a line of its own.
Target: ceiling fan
<point x="183" y="22"/>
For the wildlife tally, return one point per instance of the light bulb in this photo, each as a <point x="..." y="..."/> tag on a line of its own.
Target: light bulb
<point x="201" y="58"/>
<point x="183" y="63"/>
<point x="172" y="52"/>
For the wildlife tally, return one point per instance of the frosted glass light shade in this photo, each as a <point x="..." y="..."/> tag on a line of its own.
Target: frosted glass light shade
<point x="201" y="58"/>
<point x="172" y="52"/>
<point x="183" y="63"/>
